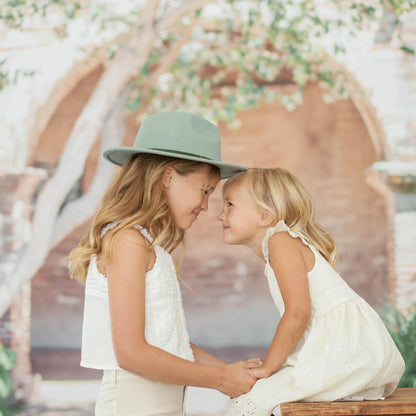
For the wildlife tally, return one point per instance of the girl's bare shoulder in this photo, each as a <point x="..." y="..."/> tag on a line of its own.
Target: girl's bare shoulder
<point x="127" y="237"/>
<point x="127" y="245"/>
<point x="285" y="246"/>
<point x="282" y="239"/>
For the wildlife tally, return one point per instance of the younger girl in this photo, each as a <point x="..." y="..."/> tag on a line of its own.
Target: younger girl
<point x="329" y="343"/>
<point x="134" y="326"/>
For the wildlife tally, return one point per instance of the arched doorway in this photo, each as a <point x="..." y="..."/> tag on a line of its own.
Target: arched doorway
<point x="227" y="303"/>
<point x="328" y="146"/>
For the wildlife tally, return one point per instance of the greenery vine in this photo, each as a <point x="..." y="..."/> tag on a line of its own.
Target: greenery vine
<point x="7" y="362"/>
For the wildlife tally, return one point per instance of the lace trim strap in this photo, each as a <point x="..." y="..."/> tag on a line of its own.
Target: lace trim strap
<point x="114" y="224"/>
<point x="108" y="227"/>
<point x="279" y="227"/>
<point x="144" y="232"/>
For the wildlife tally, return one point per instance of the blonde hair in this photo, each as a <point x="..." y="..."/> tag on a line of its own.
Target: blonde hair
<point x="135" y="197"/>
<point x="280" y="193"/>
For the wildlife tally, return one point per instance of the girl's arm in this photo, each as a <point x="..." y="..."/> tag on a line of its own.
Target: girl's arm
<point x="126" y="285"/>
<point x="287" y="261"/>
<point x="204" y="357"/>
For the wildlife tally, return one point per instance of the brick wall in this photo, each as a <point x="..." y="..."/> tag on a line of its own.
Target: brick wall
<point x="17" y="191"/>
<point x="405" y="259"/>
<point x="329" y="149"/>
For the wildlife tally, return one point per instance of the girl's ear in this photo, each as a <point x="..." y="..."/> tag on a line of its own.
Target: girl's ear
<point x="266" y="219"/>
<point x="167" y="178"/>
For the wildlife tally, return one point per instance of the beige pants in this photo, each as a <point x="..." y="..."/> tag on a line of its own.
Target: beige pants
<point x="127" y="394"/>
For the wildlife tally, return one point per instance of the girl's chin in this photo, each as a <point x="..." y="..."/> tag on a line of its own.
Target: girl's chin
<point x="227" y="240"/>
<point x="184" y="227"/>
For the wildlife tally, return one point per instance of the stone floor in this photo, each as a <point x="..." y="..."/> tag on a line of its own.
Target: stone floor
<point x="62" y="388"/>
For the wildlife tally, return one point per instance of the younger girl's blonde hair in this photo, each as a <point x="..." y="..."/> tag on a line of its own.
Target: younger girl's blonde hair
<point x="135" y="197"/>
<point x="280" y="193"/>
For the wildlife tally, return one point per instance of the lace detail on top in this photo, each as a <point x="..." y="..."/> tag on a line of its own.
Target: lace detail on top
<point x="114" y="224"/>
<point x="280" y="226"/>
<point x="108" y="227"/>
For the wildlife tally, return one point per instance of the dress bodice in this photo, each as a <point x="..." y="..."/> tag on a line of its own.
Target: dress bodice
<point x="326" y="287"/>
<point x="345" y="353"/>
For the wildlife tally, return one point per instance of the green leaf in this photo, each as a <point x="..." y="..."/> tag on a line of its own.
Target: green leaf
<point x="231" y="99"/>
<point x="5" y="410"/>
<point x="408" y="49"/>
<point x="6" y="383"/>
<point x="326" y="76"/>
<point x="7" y="358"/>
<point x="402" y="328"/>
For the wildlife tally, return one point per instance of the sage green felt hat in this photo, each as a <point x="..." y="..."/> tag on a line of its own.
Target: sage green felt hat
<point x="177" y="134"/>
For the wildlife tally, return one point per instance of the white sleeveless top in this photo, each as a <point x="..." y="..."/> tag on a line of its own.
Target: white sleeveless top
<point x="165" y="320"/>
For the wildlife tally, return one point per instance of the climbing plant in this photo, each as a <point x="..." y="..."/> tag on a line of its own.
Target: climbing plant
<point x="402" y="328"/>
<point x="7" y="362"/>
<point x="228" y="54"/>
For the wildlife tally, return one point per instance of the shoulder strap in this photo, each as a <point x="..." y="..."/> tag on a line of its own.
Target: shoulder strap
<point x="108" y="227"/>
<point x="114" y="224"/>
<point x="280" y="226"/>
<point x="144" y="233"/>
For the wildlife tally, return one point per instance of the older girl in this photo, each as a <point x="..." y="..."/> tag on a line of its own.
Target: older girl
<point x="134" y="326"/>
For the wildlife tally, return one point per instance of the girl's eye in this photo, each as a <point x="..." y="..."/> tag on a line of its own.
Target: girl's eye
<point x="205" y="192"/>
<point x="229" y="204"/>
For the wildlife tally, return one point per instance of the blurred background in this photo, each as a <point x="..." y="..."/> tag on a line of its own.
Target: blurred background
<point x="326" y="89"/>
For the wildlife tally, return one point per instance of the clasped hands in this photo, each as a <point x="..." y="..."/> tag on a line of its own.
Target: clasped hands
<point x="241" y="376"/>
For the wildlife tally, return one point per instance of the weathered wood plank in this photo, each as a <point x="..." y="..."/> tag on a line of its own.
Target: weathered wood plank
<point x="401" y="402"/>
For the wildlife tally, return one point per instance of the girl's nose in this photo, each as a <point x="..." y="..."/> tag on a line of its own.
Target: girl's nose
<point x="221" y="216"/>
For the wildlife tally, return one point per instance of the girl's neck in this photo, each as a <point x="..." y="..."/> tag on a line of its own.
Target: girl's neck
<point x="256" y="242"/>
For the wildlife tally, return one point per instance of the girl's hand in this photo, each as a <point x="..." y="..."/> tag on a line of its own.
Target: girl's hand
<point x="258" y="369"/>
<point x="256" y="362"/>
<point x="237" y="378"/>
<point x="260" y="372"/>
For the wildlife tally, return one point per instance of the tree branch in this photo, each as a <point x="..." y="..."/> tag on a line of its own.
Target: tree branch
<point x="124" y="66"/>
<point x="170" y="58"/>
<point x="76" y="212"/>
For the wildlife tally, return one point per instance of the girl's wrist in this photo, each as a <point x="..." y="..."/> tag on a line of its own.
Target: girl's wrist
<point x="267" y="369"/>
<point x="218" y="377"/>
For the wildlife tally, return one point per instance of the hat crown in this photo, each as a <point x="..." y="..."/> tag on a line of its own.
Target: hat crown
<point x="180" y="133"/>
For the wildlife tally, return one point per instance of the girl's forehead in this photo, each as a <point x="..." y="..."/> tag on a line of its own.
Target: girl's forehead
<point x="211" y="177"/>
<point x="235" y="186"/>
<point x="210" y="185"/>
<point x="206" y="178"/>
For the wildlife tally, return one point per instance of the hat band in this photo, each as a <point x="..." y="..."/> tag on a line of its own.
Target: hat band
<point x="180" y="153"/>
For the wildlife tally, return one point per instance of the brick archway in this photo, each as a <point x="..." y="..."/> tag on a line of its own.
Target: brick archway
<point x="329" y="147"/>
<point x="48" y="147"/>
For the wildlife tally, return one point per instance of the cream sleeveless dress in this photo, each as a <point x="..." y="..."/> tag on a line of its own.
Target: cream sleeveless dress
<point x="346" y="353"/>
<point x="123" y="393"/>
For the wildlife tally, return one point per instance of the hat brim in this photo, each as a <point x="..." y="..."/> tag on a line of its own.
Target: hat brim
<point x="120" y="155"/>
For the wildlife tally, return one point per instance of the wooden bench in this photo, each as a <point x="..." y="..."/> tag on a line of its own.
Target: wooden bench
<point x="401" y="402"/>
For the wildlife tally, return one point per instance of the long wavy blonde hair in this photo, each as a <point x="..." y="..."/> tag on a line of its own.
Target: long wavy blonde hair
<point x="280" y="193"/>
<point x="135" y="197"/>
